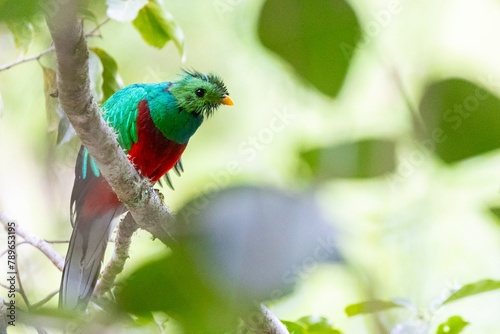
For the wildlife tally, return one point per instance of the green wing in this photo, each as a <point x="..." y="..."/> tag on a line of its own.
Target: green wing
<point x="120" y="111"/>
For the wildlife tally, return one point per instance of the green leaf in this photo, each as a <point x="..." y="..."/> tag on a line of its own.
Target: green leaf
<point x="88" y="15"/>
<point x="316" y="38"/>
<point x="112" y="81"/>
<point x="370" y="307"/>
<point x="294" y="328"/>
<point x="124" y="10"/>
<point x="96" y="75"/>
<point x="311" y="325"/>
<point x="51" y="101"/>
<point x="453" y="325"/>
<point x="23" y="33"/>
<point x="473" y="289"/>
<point x="361" y="159"/>
<point x="157" y="27"/>
<point x="460" y="120"/>
<point x="22" y="9"/>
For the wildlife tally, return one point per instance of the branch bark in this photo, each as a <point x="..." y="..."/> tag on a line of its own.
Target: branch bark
<point x="76" y="100"/>
<point x="126" y="229"/>
<point x="263" y="321"/>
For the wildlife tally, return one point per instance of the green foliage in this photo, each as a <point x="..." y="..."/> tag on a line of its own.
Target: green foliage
<point x="461" y="120"/>
<point x="124" y="10"/>
<point x="173" y="285"/>
<point x="360" y="159"/>
<point x="453" y="325"/>
<point x="311" y="325"/>
<point x="157" y="27"/>
<point x="371" y="306"/>
<point x="472" y="289"/>
<point x="19" y="10"/>
<point x="111" y="81"/>
<point x="315" y="37"/>
<point x="22" y="31"/>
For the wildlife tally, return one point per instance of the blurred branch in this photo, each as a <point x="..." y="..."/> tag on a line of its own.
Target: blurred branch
<point x="76" y="100"/>
<point x="36" y="242"/>
<point x="25" y="60"/>
<point x="50" y="49"/>
<point x="263" y="321"/>
<point x="45" y="300"/>
<point x="126" y="229"/>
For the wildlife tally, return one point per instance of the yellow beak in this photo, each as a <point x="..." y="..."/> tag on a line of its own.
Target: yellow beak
<point x="226" y="100"/>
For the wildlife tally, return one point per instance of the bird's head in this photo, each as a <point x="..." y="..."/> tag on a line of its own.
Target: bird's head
<point x="200" y="93"/>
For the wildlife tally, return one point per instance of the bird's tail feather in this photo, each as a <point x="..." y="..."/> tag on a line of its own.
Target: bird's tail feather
<point x="94" y="206"/>
<point x="83" y="261"/>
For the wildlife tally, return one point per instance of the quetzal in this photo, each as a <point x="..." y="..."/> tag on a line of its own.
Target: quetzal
<point x="153" y="123"/>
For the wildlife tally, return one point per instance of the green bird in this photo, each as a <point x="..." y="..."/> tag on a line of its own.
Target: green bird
<point x="153" y="123"/>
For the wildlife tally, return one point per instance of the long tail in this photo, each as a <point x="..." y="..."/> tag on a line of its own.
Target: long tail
<point x="93" y="207"/>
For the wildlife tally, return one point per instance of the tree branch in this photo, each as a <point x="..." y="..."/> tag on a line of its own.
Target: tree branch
<point x="50" y="49"/>
<point x="36" y="242"/>
<point x="263" y="321"/>
<point x="76" y="100"/>
<point x="126" y="229"/>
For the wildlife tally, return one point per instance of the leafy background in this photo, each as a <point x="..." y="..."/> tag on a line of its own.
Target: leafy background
<point x="391" y="130"/>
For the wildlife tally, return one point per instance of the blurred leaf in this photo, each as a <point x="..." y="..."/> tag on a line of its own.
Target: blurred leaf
<point x="461" y="120"/>
<point x="157" y="27"/>
<point x="453" y="325"/>
<point x="294" y="328"/>
<point x="496" y="212"/>
<point x="174" y="286"/>
<point x="124" y="10"/>
<point x="311" y="325"/>
<point x="111" y="82"/>
<point x="96" y="76"/>
<point x="362" y="159"/>
<point x="18" y="10"/>
<point x="315" y="320"/>
<point x="65" y="130"/>
<point x="204" y="285"/>
<point x="23" y="33"/>
<point x="89" y="15"/>
<point x="473" y="289"/>
<point x="315" y="37"/>
<point x="51" y="101"/>
<point x="414" y="327"/>
<point x="370" y="307"/>
<point x="261" y="228"/>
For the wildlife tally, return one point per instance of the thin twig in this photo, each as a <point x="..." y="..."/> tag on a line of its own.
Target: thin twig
<point x="50" y="49"/>
<point x="36" y="242"/>
<point x="45" y="300"/>
<point x="25" y="60"/>
<point x="7" y="250"/>
<point x="20" y="284"/>
<point x="7" y="287"/>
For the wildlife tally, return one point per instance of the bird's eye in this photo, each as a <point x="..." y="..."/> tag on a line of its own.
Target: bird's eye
<point x="200" y="92"/>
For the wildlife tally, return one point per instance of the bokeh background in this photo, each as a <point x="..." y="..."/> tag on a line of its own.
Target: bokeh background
<point x="385" y="114"/>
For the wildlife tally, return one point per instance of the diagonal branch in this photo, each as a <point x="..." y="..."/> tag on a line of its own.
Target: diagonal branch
<point x="126" y="229"/>
<point x="75" y="97"/>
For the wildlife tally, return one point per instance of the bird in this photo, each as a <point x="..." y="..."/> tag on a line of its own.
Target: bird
<point x="153" y="123"/>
